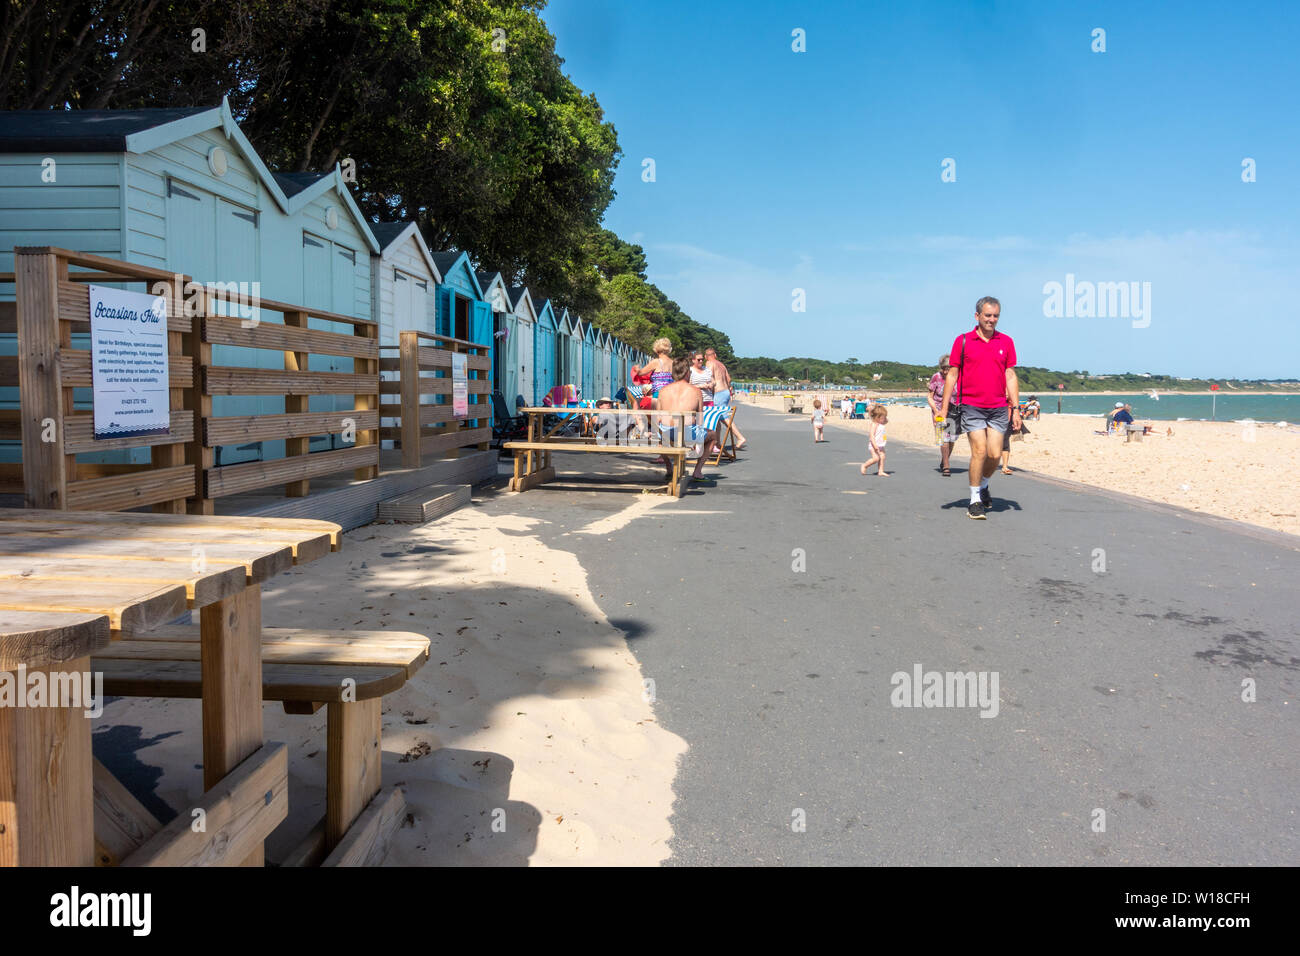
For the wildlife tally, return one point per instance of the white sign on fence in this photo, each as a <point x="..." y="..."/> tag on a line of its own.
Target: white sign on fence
<point x="459" y="384"/>
<point x="129" y="371"/>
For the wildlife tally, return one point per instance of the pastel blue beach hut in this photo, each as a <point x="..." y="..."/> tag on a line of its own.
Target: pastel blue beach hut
<point x="611" y="363"/>
<point x="494" y="294"/>
<point x="545" y="336"/>
<point x="184" y="190"/>
<point x="404" y="278"/>
<point x="568" y="350"/>
<point x="590" y="378"/>
<point x="460" y="309"/>
<point x="603" y="377"/>
<point x="519" y="345"/>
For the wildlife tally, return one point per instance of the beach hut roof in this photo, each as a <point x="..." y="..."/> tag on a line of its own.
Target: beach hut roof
<point x="294" y="183"/>
<point x="305" y="187"/>
<point x="446" y="262"/>
<point x="84" y="131"/>
<point x="516" y="295"/>
<point x="389" y="234"/>
<point x="140" y="131"/>
<point x="490" y="281"/>
<point x="542" y="304"/>
<point x="522" y="303"/>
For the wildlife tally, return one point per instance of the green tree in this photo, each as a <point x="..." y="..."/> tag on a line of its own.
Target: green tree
<point x="477" y="135"/>
<point x="630" y="311"/>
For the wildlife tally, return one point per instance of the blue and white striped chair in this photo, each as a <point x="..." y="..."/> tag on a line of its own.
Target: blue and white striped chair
<point x="719" y="418"/>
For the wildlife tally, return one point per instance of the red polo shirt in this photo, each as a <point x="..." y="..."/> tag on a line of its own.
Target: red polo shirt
<point x="982" y="377"/>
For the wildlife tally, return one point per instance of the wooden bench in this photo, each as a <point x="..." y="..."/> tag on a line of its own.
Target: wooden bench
<point x="346" y="672"/>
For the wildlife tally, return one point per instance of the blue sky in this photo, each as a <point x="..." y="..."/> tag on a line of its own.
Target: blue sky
<point x="821" y="171"/>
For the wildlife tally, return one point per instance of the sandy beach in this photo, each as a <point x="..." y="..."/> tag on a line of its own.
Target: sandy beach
<point x="1220" y="468"/>
<point x="529" y="714"/>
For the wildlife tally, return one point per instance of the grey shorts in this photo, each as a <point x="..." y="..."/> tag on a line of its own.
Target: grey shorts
<point x="974" y="418"/>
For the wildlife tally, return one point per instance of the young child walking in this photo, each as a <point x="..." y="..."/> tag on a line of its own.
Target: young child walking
<point x="876" y="435"/>
<point x="818" y="420"/>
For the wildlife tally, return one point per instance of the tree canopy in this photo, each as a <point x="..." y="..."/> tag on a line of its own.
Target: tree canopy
<point x="456" y="113"/>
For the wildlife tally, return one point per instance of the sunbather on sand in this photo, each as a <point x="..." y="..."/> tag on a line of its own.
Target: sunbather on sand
<point x="681" y="396"/>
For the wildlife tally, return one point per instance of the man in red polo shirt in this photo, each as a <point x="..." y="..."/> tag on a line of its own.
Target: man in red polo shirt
<point x="982" y="384"/>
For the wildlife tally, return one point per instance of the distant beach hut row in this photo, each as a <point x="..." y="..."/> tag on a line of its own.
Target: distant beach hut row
<point x="185" y="191"/>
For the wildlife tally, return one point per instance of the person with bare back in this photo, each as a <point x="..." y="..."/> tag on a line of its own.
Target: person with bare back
<point x="682" y="396"/>
<point x="722" y="393"/>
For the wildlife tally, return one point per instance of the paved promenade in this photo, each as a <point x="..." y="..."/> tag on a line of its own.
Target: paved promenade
<point x="773" y="610"/>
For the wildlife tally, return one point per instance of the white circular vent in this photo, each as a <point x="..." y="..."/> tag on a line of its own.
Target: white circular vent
<point x="217" y="161"/>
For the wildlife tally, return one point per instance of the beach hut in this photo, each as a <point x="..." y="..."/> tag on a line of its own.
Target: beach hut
<point x="461" y="310"/>
<point x="184" y="190"/>
<point x="493" y="285"/>
<point x="403" y="279"/>
<point x="523" y="324"/>
<point x="568" y="349"/>
<point x="603" y="341"/>
<point x="545" y="337"/>
<point x="589" y="377"/>
<point x="615" y="380"/>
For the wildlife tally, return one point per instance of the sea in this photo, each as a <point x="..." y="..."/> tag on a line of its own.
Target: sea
<point x="1223" y="407"/>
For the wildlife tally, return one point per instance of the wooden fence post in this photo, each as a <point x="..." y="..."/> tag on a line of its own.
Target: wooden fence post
<point x="296" y="362"/>
<point x="198" y="453"/>
<point x="46" y="469"/>
<point x="367" y="401"/>
<point x="409" y="374"/>
<point x="485" y="445"/>
<point x="171" y="456"/>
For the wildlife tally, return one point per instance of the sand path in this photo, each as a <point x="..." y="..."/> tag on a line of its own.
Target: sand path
<point x="526" y="739"/>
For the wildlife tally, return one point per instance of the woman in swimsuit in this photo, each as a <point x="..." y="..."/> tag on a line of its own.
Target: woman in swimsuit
<point x="661" y="368"/>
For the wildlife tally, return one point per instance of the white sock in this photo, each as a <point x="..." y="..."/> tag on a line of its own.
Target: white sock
<point x="984" y="483"/>
<point x="974" y="494"/>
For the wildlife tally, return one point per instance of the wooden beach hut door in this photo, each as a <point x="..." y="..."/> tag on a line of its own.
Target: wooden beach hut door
<point x="525" y="366"/>
<point x="480" y="331"/>
<point x="543" y="359"/>
<point x="212" y="240"/>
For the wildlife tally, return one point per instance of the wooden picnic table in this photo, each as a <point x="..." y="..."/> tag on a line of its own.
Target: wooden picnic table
<point x="533" y="464"/>
<point x="72" y="580"/>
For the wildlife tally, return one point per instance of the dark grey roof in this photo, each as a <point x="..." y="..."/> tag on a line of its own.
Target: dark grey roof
<point x="445" y="260"/>
<point x="539" y="300"/>
<point x="516" y="293"/>
<point x="294" y="183"/>
<point x="80" y="131"/>
<point x="386" y="233"/>
<point x="485" y="278"/>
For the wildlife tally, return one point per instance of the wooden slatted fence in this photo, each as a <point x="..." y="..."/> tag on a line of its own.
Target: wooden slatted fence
<point x="423" y="365"/>
<point x="183" y="472"/>
<point x="53" y="305"/>
<point x="297" y="424"/>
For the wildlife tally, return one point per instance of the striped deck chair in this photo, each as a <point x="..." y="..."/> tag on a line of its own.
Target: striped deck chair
<point x="718" y="418"/>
